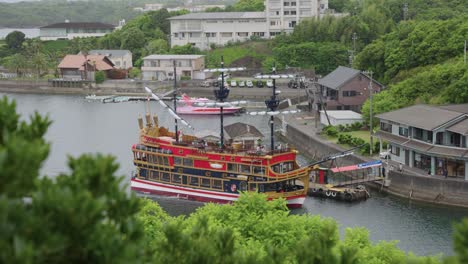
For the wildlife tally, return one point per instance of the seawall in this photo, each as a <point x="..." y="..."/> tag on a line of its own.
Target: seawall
<point x="428" y="189"/>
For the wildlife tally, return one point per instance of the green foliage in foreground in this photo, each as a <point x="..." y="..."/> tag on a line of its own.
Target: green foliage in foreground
<point x="86" y="216"/>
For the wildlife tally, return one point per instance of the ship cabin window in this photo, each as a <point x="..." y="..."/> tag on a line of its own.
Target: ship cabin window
<point x="243" y="186"/>
<point x="177" y="161"/>
<point x="151" y="158"/>
<point x="154" y="175"/>
<point x="232" y="167"/>
<point x="165" y="177"/>
<point x="258" y="170"/>
<point x="193" y="181"/>
<point x="217" y="184"/>
<point x="244" y="168"/>
<point x="253" y="187"/>
<point x="283" y="167"/>
<point x="205" y="183"/>
<point x="176" y="178"/>
<point x="188" y="162"/>
<point x="166" y="161"/>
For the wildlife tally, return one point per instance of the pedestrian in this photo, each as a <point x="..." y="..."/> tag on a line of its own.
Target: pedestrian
<point x="445" y="173"/>
<point x="383" y="171"/>
<point x="400" y="167"/>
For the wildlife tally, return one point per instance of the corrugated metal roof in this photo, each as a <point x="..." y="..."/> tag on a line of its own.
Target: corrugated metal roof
<point x="448" y="151"/>
<point x="338" y="77"/>
<point x="343" y="114"/>
<point x="220" y="15"/>
<point x="172" y="57"/>
<point x="79" y="25"/>
<point x="421" y="116"/>
<point x="460" y="127"/>
<point x="110" y="53"/>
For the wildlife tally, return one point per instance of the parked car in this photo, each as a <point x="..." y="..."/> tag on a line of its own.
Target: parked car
<point x="226" y="76"/>
<point x="215" y="83"/>
<point x="206" y="84"/>
<point x="241" y="84"/>
<point x="233" y="83"/>
<point x="249" y="84"/>
<point x="259" y="84"/>
<point x="269" y="83"/>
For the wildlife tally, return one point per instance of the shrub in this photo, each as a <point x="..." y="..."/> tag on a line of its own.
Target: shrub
<point x="330" y="131"/>
<point x="134" y="73"/>
<point x="100" y="77"/>
<point x="365" y="149"/>
<point x="185" y="78"/>
<point x="356" y="126"/>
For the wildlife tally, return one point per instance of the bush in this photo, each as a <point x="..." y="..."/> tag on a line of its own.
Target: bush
<point x="365" y="149"/>
<point x="330" y="131"/>
<point x="134" y="73"/>
<point x="100" y="77"/>
<point x="185" y="78"/>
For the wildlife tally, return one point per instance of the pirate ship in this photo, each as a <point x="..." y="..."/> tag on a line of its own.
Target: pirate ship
<point x="187" y="167"/>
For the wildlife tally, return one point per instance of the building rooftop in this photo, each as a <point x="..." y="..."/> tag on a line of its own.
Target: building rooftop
<point x="421" y="116"/>
<point x="462" y="108"/>
<point x="110" y="53"/>
<point x="172" y="57"/>
<point x="101" y="62"/>
<point x="220" y="15"/>
<point x="343" y="114"/>
<point x="242" y="130"/>
<point x="92" y="25"/>
<point x="338" y="77"/>
<point x="460" y="127"/>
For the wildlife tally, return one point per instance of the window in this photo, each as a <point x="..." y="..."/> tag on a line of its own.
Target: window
<point x="176" y="178"/>
<point x="226" y="34"/>
<point x="396" y="151"/>
<point x="211" y="21"/>
<point x="188" y="162"/>
<point x="386" y="127"/>
<point x="293" y="12"/>
<point x="349" y="93"/>
<point x="403" y="131"/>
<point x="292" y="24"/>
<point x="176" y="35"/>
<point x="194" y="181"/>
<point x="258" y="170"/>
<point x="210" y="34"/>
<point x="165" y="177"/>
<point x="177" y="161"/>
<point x="217" y="184"/>
<point x="154" y="175"/>
<point x="277" y="13"/>
<point x="243" y="21"/>
<point x="244" y="168"/>
<point x="286" y="13"/>
<point x="286" y="3"/>
<point x="259" y="34"/>
<point x="228" y="21"/>
<point x="293" y="3"/>
<point x="182" y="35"/>
<point x="272" y="23"/>
<point x="242" y="34"/>
<point x="232" y="167"/>
<point x="205" y="183"/>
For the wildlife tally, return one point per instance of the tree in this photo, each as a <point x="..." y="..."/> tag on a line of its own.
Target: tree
<point x="185" y="49"/>
<point x="17" y="63"/>
<point x="157" y="46"/>
<point x="83" y="216"/>
<point x="14" y="40"/>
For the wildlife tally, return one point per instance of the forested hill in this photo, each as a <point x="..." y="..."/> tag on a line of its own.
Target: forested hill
<point x="41" y="13"/>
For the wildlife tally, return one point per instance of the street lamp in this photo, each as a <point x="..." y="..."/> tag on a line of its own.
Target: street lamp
<point x="370" y="73"/>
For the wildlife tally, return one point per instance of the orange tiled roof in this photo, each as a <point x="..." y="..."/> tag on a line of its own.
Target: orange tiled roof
<point x="101" y="62"/>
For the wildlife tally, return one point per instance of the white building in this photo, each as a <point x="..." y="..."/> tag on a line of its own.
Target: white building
<point x="161" y="67"/>
<point x="71" y="30"/>
<point x="204" y="29"/>
<point x="122" y="59"/>
<point x="340" y="117"/>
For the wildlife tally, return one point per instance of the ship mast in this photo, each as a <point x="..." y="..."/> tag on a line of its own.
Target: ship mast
<point x="174" y="98"/>
<point x="272" y="104"/>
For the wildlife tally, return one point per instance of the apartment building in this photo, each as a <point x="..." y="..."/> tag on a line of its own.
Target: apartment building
<point x="204" y="29"/>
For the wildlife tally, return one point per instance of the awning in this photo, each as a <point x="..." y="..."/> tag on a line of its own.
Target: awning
<point x="360" y="166"/>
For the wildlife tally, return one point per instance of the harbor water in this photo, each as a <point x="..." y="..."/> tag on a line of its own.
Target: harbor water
<point x="80" y="126"/>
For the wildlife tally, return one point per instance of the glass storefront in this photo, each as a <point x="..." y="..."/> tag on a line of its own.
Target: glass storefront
<point x="422" y="161"/>
<point x="455" y="168"/>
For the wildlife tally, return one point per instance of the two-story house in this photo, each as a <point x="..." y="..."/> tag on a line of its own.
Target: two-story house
<point x="347" y="89"/>
<point x="161" y="67"/>
<point x="122" y="59"/>
<point x="431" y="138"/>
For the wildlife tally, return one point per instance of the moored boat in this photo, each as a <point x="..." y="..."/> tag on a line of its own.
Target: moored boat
<point x="191" y="168"/>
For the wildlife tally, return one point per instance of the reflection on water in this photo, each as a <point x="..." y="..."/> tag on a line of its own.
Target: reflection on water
<point x="89" y="127"/>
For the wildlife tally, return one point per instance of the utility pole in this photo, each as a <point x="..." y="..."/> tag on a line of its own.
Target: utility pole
<point x="405" y="11"/>
<point x="464" y="58"/>
<point x="371" y="127"/>
<point x="351" y="57"/>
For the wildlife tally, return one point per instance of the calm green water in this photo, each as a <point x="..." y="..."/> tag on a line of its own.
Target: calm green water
<point x="89" y="127"/>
